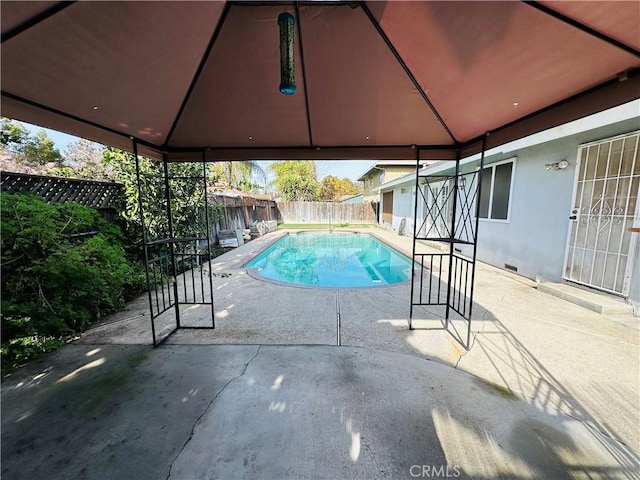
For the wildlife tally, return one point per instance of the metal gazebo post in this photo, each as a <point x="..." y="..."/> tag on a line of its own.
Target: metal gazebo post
<point x="208" y="235"/>
<point x="475" y="234"/>
<point x="415" y="233"/>
<point x="452" y="238"/>
<point x="167" y="196"/>
<point x="144" y="237"/>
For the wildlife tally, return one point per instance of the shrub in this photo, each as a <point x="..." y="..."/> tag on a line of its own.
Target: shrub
<point x="56" y="279"/>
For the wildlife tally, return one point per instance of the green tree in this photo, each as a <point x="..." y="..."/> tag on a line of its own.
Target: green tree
<point x="85" y="159"/>
<point x="186" y="196"/>
<point x="297" y="180"/>
<point x="12" y="134"/>
<point x="240" y="175"/>
<point x="37" y="150"/>
<point x="40" y="150"/>
<point x="334" y="188"/>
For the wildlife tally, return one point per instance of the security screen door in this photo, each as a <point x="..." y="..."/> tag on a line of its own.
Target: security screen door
<point x="605" y="207"/>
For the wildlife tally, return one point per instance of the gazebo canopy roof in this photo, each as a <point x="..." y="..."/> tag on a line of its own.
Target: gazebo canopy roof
<point x="375" y="80"/>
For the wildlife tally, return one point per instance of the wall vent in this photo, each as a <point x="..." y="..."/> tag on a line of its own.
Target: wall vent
<point x="510" y="267"/>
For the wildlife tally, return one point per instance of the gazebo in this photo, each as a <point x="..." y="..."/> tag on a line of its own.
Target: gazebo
<point x="213" y="81"/>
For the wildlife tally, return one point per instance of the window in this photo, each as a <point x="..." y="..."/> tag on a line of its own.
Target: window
<point x="496" y="191"/>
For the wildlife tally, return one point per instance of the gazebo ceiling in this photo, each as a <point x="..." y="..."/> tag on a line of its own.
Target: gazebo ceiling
<point x="374" y="79"/>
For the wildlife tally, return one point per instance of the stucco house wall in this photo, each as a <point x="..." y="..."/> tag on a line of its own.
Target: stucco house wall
<point x="403" y="201"/>
<point x="534" y="237"/>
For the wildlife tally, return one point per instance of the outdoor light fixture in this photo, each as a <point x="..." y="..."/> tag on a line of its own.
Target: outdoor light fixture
<point x="286" y="21"/>
<point x="561" y="165"/>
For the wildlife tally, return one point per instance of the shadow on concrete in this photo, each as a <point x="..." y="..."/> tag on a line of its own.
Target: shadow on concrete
<point x="528" y="375"/>
<point x="215" y="411"/>
<point x="519" y="370"/>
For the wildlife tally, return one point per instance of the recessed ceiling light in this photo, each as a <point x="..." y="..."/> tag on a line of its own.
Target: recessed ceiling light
<point x="95" y="107"/>
<point x="367" y="137"/>
<point x="250" y="137"/>
<point x="515" y="104"/>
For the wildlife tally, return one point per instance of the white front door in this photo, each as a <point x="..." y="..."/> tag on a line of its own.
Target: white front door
<point x="605" y="207"/>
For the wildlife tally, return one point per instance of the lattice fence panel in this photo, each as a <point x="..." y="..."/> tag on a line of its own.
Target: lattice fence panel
<point x="90" y="193"/>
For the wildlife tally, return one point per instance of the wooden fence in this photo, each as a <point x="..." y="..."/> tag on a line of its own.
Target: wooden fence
<point x="241" y="211"/>
<point x="327" y="212"/>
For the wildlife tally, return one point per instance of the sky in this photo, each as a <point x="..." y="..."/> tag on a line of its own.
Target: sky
<point x="351" y="169"/>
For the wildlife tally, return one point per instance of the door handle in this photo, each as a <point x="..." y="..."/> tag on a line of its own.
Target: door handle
<point x="573" y="217"/>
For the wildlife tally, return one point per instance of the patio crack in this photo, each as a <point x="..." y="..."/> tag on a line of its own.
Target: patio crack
<point x="193" y="428"/>
<point x="473" y="339"/>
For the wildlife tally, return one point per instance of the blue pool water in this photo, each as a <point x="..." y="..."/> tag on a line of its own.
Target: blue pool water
<point x="332" y="260"/>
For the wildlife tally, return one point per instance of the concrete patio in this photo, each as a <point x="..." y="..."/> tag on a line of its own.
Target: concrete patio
<point x="319" y="383"/>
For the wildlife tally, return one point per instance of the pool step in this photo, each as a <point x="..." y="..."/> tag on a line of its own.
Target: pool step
<point x="373" y="274"/>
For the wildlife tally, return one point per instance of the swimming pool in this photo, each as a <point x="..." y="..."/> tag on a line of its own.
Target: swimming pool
<point x="343" y="260"/>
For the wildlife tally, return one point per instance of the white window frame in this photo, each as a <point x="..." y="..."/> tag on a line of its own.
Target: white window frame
<point x="493" y="166"/>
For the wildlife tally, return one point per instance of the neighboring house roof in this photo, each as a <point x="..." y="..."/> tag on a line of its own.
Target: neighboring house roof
<point x="398" y="181"/>
<point x="385" y="165"/>
<point x="351" y="198"/>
